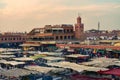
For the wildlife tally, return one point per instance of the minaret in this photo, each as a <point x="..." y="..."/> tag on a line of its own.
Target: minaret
<point x="78" y="20"/>
<point x="79" y="29"/>
<point x="98" y="26"/>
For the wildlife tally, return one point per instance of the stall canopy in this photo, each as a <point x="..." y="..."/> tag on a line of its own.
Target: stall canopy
<point x="53" y="58"/>
<point x="81" y="77"/>
<point x="51" y="53"/>
<point x="30" y="45"/>
<point x="23" y="59"/>
<point x="102" y="62"/>
<point x="59" y="50"/>
<point x="116" y="51"/>
<point x="17" y="72"/>
<point x="11" y="62"/>
<point x="40" y="69"/>
<point x="7" y="56"/>
<point x="8" y="53"/>
<point x="117" y="44"/>
<point x="76" y="67"/>
<point x="115" y="71"/>
<point x="77" y="56"/>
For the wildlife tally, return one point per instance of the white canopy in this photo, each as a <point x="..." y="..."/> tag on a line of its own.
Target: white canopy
<point x="53" y="58"/>
<point x="11" y="62"/>
<point x="7" y="56"/>
<point x="101" y="62"/>
<point x="57" y="29"/>
<point x="40" y="69"/>
<point x="76" y="55"/>
<point x="2" y="49"/>
<point x="7" y="53"/>
<point x="23" y="59"/>
<point x="16" y="72"/>
<point x="75" y="66"/>
<point x="51" y="53"/>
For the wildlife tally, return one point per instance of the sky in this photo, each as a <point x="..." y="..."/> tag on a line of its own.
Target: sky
<point x="24" y="15"/>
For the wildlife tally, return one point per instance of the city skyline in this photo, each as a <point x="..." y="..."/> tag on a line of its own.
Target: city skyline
<point x="24" y="15"/>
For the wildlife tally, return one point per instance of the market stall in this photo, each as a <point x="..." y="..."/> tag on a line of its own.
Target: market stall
<point x="77" y="58"/>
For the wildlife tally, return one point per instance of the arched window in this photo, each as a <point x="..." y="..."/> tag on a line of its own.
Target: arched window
<point x="67" y="30"/>
<point x="61" y="37"/>
<point x="65" y="37"/>
<point x="56" y="37"/>
<point x="71" y="30"/>
<point x="5" y="39"/>
<point x="68" y="37"/>
<point x="13" y="38"/>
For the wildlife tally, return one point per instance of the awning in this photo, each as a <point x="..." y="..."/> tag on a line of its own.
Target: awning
<point x="11" y="62"/>
<point x="17" y="72"/>
<point x="108" y="49"/>
<point x="43" y="35"/>
<point x="75" y="66"/>
<point x="77" y="56"/>
<point x="59" y="50"/>
<point x="53" y="58"/>
<point x="8" y="53"/>
<point x="70" y="50"/>
<point x="23" y="59"/>
<point x="115" y="72"/>
<point x="40" y="69"/>
<point x="117" y="44"/>
<point x="30" y="45"/>
<point x="57" y="29"/>
<point x="7" y="56"/>
<point x="116" y="51"/>
<point x="48" y="42"/>
<point x="82" y="77"/>
<point x="2" y="49"/>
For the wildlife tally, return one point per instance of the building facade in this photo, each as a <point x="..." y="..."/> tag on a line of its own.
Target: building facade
<point x="12" y="40"/>
<point x="79" y="29"/>
<point x="58" y="32"/>
<point x="94" y="34"/>
<point x="50" y="35"/>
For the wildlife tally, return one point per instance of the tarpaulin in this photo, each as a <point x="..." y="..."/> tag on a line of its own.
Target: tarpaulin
<point x="115" y="71"/>
<point x="81" y="77"/>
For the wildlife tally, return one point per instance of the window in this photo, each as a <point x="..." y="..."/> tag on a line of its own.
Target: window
<point x="5" y="39"/>
<point x="56" y="37"/>
<point x="19" y="38"/>
<point x="8" y="38"/>
<point x="64" y="31"/>
<point x="24" y="38"/>
<point x="61" y="37"/>
<point x="68" y="30"/>
<point x="2" y="39"/>
<point x="13" y="38"/>
<point x="72" y="37"/>
<point x="68" y="37"/>
<point x="65" y="37"/>
<point x="71" y="30"/>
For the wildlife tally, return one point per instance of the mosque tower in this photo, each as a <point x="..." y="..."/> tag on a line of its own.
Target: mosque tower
<point x="79" y="29"/>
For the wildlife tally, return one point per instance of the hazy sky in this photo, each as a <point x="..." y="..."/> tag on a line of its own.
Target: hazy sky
<point x="24" y="15"/>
